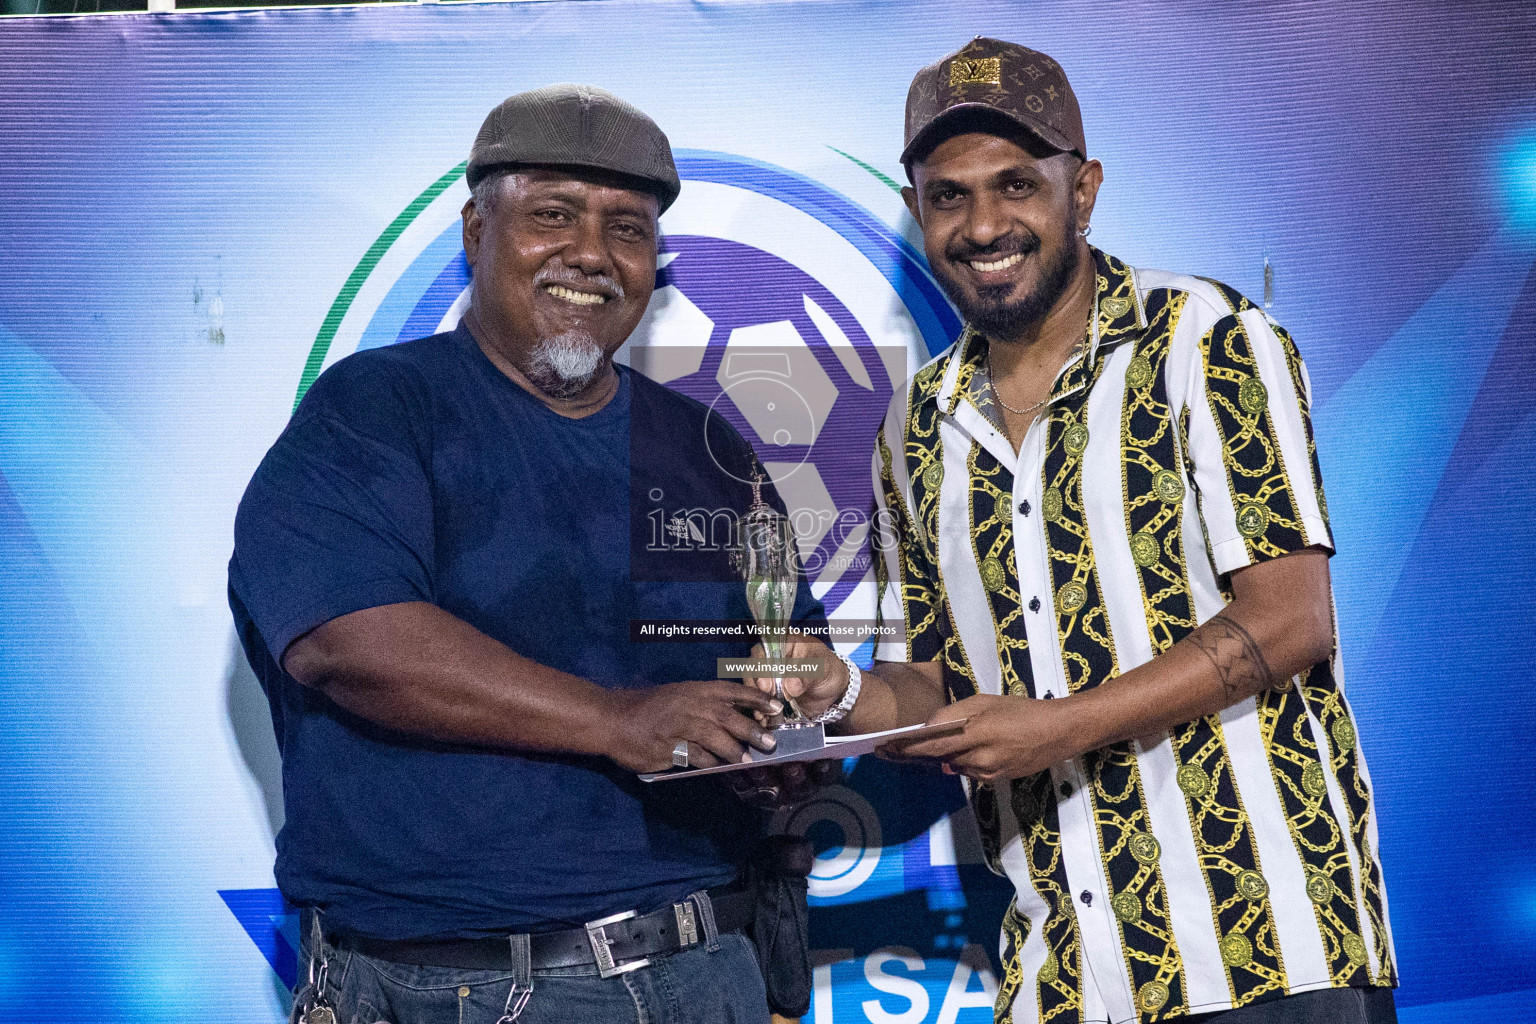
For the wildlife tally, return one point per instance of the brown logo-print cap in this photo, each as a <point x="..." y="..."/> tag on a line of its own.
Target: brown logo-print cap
<point x="1023" y="85"/>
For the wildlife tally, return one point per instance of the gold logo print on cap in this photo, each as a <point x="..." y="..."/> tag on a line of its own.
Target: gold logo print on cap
<point x="980" y="71"/>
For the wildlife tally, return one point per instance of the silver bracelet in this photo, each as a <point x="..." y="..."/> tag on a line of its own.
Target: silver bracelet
<point x="839" y="711"/>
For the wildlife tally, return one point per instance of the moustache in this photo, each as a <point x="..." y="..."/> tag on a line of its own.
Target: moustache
<point x="575" y="279"/>
<point x="1002" y="248"/>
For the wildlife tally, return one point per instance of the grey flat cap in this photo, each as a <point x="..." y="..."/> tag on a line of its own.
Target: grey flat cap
<point x="576" y="126"/>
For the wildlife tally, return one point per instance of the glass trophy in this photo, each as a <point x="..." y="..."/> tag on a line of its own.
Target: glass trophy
<point x="767" y="559"/>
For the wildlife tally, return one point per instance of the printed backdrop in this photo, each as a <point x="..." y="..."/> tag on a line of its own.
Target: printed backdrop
<point x="200" y="211"/>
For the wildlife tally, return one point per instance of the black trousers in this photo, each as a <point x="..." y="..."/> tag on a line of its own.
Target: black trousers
<point x="1326" y="1006"/>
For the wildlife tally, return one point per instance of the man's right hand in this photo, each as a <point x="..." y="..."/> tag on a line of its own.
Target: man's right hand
<point x="713" y="716"/>
<point x="419" y="669"/>
<point x="813" y="696"/>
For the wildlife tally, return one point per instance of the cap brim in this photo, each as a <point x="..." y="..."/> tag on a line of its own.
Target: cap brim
<point x="930" y="134"/>
<point x="666" y="192"/>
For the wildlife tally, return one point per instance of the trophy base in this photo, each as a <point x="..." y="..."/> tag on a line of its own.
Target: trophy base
<point x="794" y="739"/>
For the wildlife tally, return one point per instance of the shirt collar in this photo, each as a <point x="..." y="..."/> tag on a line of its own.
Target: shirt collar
<point x="1118" y="317"/>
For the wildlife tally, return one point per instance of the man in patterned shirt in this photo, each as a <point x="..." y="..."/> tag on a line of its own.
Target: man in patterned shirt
<point x="1102" y="524"/>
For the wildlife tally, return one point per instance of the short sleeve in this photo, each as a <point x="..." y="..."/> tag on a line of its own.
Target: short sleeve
<point x="1251" y="446"/>
<point x="338" y="517"/>
<point x="905" y="576"/>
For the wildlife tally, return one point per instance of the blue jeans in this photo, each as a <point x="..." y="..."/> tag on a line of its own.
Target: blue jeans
<point x="695" y="986"/>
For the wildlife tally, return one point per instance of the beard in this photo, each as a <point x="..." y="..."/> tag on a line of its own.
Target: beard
<point x="562" y="365"/>
<point x="991" y="311"/>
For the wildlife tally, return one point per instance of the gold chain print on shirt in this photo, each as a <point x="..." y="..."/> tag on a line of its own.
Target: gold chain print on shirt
<point x="1300" y="733"/>
<point x="1224" y="840"/>
<point x="1059" y="979"/>
<point x="1269" y="520"/>
<point x="1293" y="365"/>
<point x="930" y="630"/>
<point x="1267" y="515"/>
<point x="1138" y="896"/>
<point x="1015" y="932"/>
<point x="991" y="529"/>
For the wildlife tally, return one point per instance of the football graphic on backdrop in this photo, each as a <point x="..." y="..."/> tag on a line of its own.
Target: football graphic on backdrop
<point x="780" y="358"/>
<point x="781" y="305"/>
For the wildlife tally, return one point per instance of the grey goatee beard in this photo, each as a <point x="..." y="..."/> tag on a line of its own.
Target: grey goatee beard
<point x="562" y="365"/>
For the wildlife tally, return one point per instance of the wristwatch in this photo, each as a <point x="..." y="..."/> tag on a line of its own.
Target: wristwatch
<point x="839" y="711"/>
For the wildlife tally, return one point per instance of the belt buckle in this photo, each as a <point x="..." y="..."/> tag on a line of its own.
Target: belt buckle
<point x="607" y="967"/>
<point x="687" y="924"/>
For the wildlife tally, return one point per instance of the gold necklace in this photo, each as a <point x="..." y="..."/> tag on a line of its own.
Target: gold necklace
<point x="998" y="395"/>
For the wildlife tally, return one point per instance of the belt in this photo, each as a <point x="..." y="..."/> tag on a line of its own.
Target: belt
<point x="614" y="944"/>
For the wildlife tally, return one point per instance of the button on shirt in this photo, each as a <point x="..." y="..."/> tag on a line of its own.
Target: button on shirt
<point x="1225" y="862"/>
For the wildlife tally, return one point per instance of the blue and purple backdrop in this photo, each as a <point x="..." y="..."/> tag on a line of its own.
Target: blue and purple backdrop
<point x="200" y="211"/>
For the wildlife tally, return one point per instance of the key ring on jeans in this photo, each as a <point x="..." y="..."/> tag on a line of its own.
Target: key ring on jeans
<point x="317" y="984"/>
<point x="510" y="1013"/>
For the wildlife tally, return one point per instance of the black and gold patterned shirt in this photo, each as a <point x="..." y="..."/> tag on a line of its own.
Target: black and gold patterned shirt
<point x="1229" y="860"/>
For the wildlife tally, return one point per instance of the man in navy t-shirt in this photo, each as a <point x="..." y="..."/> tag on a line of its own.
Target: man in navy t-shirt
<point x="436" y="569"/>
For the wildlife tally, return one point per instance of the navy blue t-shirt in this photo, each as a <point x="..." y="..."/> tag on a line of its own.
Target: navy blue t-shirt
<point x="420" y="472"/>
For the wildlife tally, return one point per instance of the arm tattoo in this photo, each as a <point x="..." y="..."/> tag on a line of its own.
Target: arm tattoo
<point x="1239" y="663"/>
